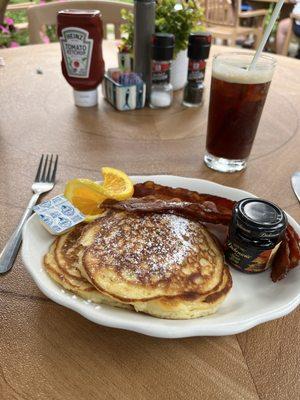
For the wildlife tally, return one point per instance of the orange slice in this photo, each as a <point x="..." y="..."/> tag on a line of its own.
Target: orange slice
<point x="116" y="184"/>
<point x="85" y="195"/>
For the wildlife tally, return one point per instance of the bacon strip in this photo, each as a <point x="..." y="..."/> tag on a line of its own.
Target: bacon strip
<point x="294" y="245"/>
<point x="281" y="262"/>
<point x="196" y="211"/>
<point x="221" y="206"/>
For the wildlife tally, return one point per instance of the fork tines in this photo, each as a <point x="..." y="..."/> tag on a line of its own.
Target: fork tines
<point x="47" y="169"/>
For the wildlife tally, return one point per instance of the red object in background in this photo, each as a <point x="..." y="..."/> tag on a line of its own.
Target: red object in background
<point x="80" y="34"/>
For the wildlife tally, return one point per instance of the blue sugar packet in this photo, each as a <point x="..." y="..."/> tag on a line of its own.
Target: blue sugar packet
<point x="58" y="215"/>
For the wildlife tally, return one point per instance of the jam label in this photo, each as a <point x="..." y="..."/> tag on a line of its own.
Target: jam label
<point x="196" y="71"/>
<point x="77" y="51"/>
<point x="250" y="259"/>
<point x="161" y="71"/>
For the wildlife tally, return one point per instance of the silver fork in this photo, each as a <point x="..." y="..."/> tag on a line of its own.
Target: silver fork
<point x="43" y="183"/>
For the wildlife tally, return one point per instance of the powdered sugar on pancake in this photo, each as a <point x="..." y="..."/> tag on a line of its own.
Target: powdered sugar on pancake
<point x="148" y="249"/>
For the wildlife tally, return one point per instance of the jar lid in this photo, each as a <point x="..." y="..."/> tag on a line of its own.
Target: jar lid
<point x="163" y="46"/>
<point x="199" y="45"/>
<point x="260" y="218"/>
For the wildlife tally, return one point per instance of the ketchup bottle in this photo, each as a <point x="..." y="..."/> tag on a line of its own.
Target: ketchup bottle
<point x="80" y="34"/>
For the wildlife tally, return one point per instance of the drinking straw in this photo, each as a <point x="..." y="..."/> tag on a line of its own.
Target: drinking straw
<point x="266" y="33"/>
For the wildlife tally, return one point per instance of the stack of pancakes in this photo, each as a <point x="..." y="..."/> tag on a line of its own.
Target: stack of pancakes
<point x="61" y="264"/>
<point x="160" y="264"/>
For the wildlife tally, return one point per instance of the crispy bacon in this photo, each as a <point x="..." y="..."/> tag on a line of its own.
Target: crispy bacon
<point x="151" y="197"/>
<point x="287" y="256"/>
<point x="220" y="206"/>
<point x="294" y="244"/>
<point x="281" y="262"/>
<point x="205" y="212"/>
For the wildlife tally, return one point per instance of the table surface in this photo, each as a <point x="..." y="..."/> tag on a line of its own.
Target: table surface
<point x="50" y="352"/>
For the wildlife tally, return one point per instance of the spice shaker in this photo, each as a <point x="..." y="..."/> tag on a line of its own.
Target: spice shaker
<point x="144" y="27"/>
<point x="162" y="55"/>
<point x="198" y="52"/>
<point x="255" y="233"/>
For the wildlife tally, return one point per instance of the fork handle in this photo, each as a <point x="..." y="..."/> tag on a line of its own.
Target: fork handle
<point x="10" y="251"/>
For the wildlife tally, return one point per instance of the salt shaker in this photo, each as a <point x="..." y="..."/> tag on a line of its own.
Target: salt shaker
<point x="162" y="55"/>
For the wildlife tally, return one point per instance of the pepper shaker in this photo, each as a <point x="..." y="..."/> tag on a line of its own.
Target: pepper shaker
<point x="198" y="52"/>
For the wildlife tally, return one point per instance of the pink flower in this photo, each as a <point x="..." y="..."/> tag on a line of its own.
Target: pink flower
<point x="44" y="37"/>
<point x="14" y="44"/>
<point x="3" y="29"/>
<point x="42" y="2"/>
<point x="9" y="21"/>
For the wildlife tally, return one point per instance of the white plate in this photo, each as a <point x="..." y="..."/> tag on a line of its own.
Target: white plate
<point x="254" y="299"/>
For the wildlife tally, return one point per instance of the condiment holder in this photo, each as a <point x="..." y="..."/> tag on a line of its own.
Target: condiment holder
<point x="124" y="91"/>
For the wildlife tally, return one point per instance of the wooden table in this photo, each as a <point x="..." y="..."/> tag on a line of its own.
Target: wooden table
<point x="50" y="352"/>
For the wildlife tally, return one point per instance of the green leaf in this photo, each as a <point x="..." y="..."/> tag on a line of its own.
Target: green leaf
<point x="179" y="22"/>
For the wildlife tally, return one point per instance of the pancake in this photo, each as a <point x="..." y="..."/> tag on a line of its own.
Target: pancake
<point x="189" y="305"/>
<point x="66" y="251"/>
<point x="69" y="276"/>
<point x="164" y="265"/>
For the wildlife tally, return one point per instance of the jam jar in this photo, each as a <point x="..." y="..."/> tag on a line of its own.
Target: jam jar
<point x="255" y="233"/>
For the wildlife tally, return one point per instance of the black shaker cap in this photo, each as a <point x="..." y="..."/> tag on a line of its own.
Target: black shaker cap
<point x="260" y="218"/>
<point x="199" y="45"/>
<point x="163" y="46"/>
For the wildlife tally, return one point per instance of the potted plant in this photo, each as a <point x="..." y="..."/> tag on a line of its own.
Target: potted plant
<point x="125" y="46"/>
<point x="171" y="16"/>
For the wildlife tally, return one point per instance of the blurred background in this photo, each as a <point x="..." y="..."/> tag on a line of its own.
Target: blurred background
<point x="232" y="22"/>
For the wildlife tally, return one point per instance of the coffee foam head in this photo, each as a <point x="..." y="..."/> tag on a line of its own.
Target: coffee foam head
<point x="235" y="70"/>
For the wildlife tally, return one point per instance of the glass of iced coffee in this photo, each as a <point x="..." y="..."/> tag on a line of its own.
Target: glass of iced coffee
<point x="237" y="98"/>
